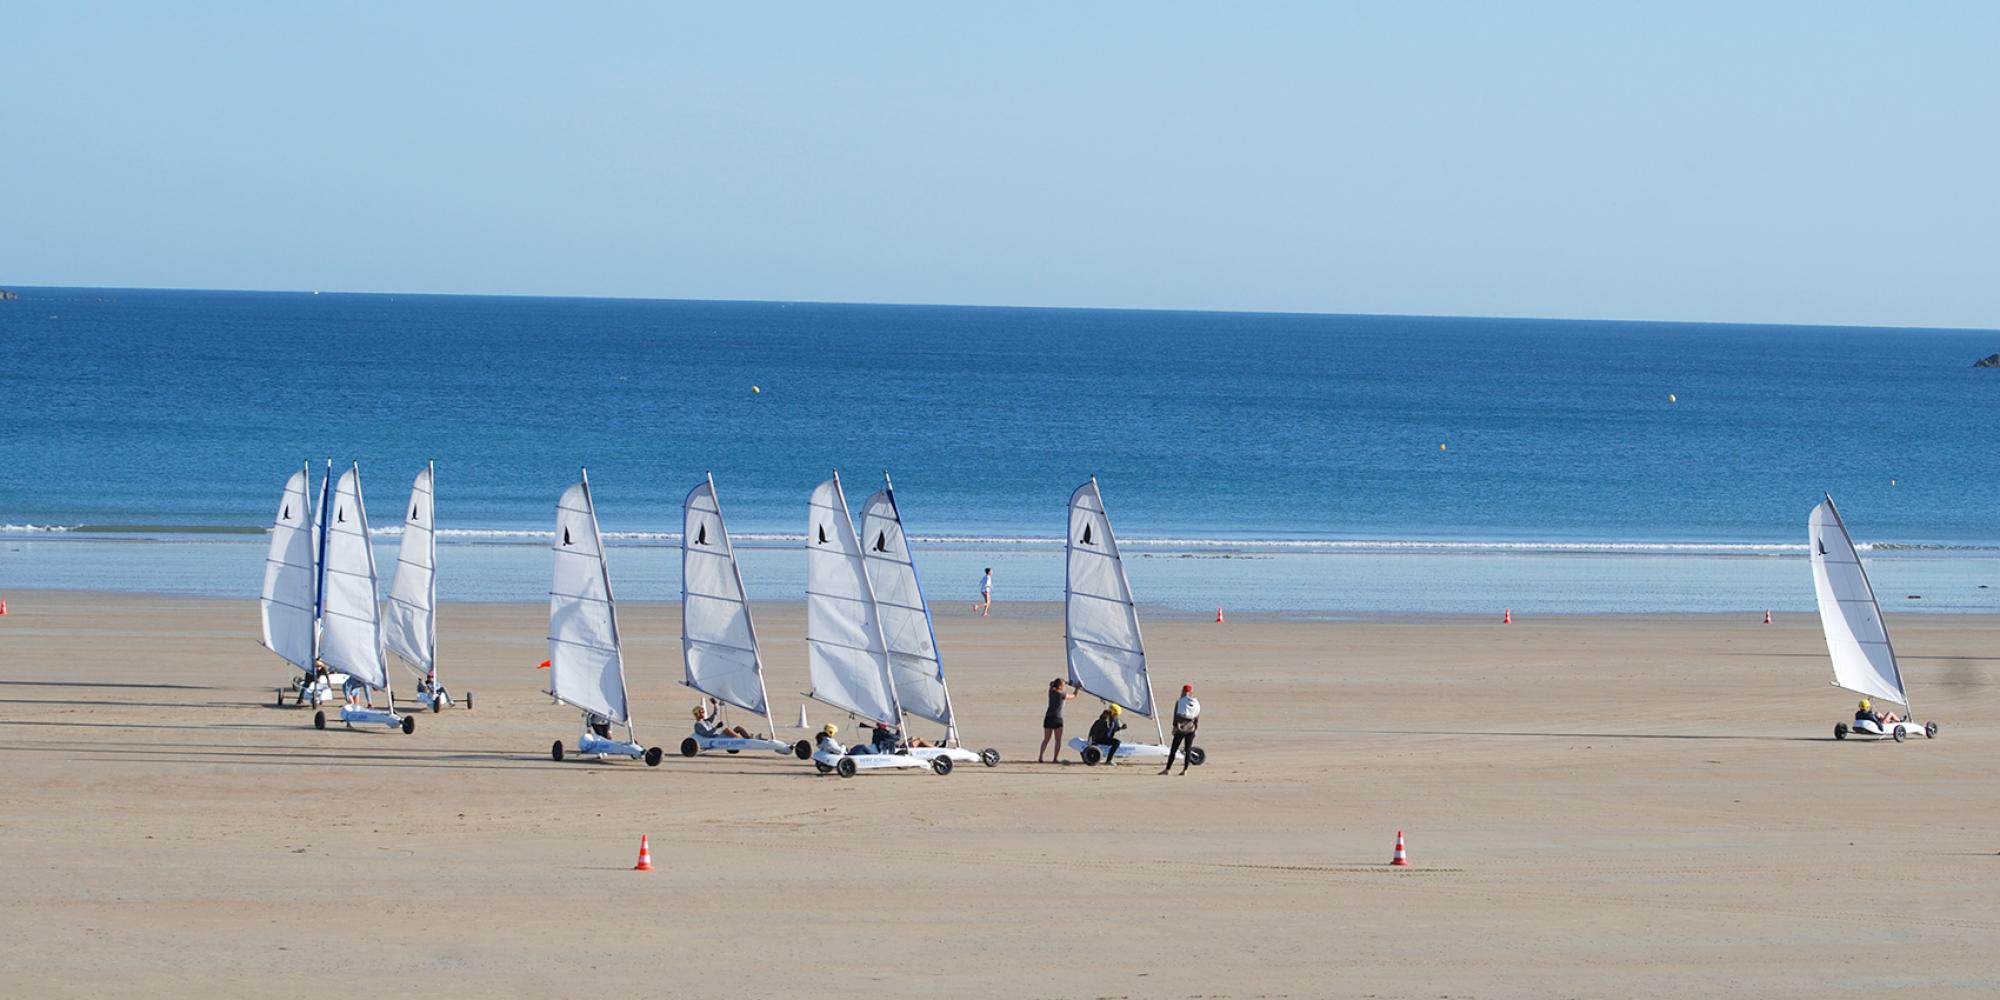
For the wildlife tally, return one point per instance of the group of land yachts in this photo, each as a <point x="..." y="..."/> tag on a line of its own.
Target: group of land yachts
<point x="872" y="648"/>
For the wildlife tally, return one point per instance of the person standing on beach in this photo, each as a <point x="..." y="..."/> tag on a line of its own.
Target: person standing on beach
<point x="1187" y="715"/>
<point x="986" y="593"/>
<point x="1052" y="724"/>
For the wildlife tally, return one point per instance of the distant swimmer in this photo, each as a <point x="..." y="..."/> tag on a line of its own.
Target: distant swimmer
<point x="1052" y="721"/>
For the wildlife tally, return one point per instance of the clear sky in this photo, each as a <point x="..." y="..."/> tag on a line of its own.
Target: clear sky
<point x="1812" y="162"/>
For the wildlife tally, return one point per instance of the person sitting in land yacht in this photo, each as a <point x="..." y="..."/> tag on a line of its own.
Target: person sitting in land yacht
<point x="1866" y="713"/>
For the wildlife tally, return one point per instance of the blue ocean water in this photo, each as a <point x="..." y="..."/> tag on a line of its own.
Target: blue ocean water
<point x="181" y="411"/>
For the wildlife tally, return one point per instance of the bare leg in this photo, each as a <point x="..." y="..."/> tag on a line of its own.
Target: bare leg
<point x="1039" y="751"/>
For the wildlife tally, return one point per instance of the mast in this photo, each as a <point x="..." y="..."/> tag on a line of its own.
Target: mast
<point x="843" y="600"/>
<point x="868" y="591"/>
<point x="1868" y="588"/>
<point x="694" y="533"/>
<point x="368" y="546"/>
<point x="319" y="565"/>
<point x="1123" y="597"/>
<point x="431" y="468"/>
<point x="930" y="624"/>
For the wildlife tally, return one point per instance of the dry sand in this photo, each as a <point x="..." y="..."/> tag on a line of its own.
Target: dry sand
<point x="1595" y="807"/>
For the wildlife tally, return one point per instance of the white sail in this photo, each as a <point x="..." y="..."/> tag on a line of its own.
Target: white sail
<point x="1856" y="639"/>
<point x="1107" y="656"/>
<point x="846" y="655"/>
<point x="718" y="641"/>
<point x="906" y="617"/>
<point x="409" y="621"/>
<point x="350" y="623"/>
<point x="585" y="666"/>
<point x="290" y="572"/>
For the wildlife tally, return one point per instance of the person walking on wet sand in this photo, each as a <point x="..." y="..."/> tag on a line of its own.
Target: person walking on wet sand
<point x="985" y="604"/>
<point x="1187" y="715"/>
<point x="1052" y="724"/>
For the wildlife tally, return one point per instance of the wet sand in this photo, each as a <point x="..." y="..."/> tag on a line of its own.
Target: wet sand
<point x="1595" y="806"/>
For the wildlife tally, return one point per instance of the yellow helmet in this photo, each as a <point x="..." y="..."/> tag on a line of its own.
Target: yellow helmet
<point x="1865" y="704"/>
<point x="829" y="729"/>
<point x="1116" y="711"/>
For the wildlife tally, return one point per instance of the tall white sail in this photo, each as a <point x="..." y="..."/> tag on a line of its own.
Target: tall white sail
<point x="846" y="655"/>
<point x="290" y="572"/>
<point x="586" y="668"/>
<point x="1107" y="656"/>
<point x="718" y="641"/>
<point x="914" y="662"/>
<point x="350" y="623"/>
<point x="409" y="621"/>
<point x="1856" y="639"/>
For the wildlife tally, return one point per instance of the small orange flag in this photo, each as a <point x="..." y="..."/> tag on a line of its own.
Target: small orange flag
<point x="544" y="666"/>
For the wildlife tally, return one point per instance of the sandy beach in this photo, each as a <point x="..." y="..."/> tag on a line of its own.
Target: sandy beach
<point x="1595" y="806"/>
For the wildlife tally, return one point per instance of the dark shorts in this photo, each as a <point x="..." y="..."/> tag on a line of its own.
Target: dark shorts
<point x="1052" y="722"/>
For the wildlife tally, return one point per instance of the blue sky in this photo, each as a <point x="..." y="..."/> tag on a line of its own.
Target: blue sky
<point x="1766" y="162"/>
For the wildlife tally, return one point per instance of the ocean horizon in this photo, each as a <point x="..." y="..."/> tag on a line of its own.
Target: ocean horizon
<point x="1266" y="460"/>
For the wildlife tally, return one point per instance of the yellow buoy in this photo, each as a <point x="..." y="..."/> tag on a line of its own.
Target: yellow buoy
<point x="1671" y="398"/>
<point x="1440" y="447"/>
<point x="756" y="390"/>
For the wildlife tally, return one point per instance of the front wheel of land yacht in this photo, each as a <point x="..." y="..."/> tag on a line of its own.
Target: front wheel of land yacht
<point x="845" y="767"/>
<point x="654" y="755"/>
<point x="468" y="701"/>
<point x="689" y="747"/>
<point x="556" y="751"/>
<point x="409" y="724"/>
<point x="437" y="705"/>
<point x="989" y="757"/>
<point x="1196" y="755"/>
<point x="1899" y="734"/>
<point x="823" y="768"/>
<point x="1091" y="755"/>
<point x="319" y="720"/>
<point x="1930" y="730"/>
<point x="1840" y="730"/>
<point x="803" y="750"/>
<point x="281" y="699"/>
<point x="941" y="764"/>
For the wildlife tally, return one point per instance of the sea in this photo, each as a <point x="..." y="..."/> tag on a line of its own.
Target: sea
<point x="1319" y="465"/>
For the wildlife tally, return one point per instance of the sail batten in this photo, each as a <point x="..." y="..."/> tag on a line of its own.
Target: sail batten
<point x="846" y="653"/>
<point x="1106" y="651"/>
<point x="409" y="622"/>
<point x="916" y="665"/>
<point x="288" y="601"/>
<point x="586" y="661"/>
<point x="350" y="618"/>
<point x="718" y="637"/>
<point x="1857" y="640"/>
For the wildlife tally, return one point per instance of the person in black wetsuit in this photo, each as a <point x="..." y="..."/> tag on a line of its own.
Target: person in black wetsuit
<point x="1104" y="732"/>
<point x="1052" y="721"/>
<point x="1187" y="717"/>
<point x="1866" y="713"/>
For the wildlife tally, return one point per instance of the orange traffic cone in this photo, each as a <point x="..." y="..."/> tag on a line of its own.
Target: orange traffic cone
<point x="1218" y="616"/>
<point x="645" y="856"/>
<point x="1507" y="617"/>
<point x="1767" y="618"/>
<point x="1401" y="858"/>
